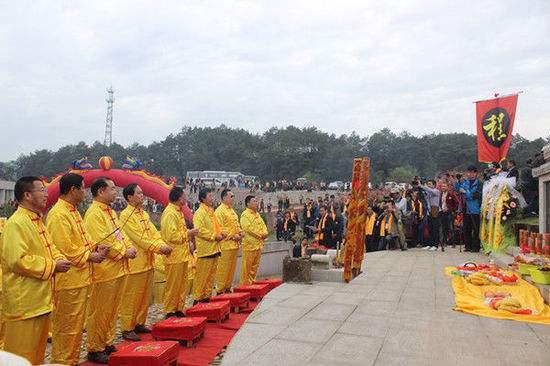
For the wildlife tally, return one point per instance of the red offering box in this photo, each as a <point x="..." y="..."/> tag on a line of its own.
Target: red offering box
<point x="238" y="300"/>
<point x="146" y="354"/>
<point x="257" y="292"/>
<point x="181" y="329"/>
<point x="272" y="282"/>
<point x="216" y="311"/>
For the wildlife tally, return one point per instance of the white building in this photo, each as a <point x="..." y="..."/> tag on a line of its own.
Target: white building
<point x="6" y="191"/>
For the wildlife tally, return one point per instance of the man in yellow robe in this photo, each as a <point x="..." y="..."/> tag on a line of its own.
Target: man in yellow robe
<point x="72" y="289"/>
<point x="174" y="232"/>
<point x="255" y="233"/>
<point x="29" y="262"/>
<point x="208" y="246"/>
<point x="109" y="276"/>
<point x="146" y="238"/>
<point x="229" y="222"/>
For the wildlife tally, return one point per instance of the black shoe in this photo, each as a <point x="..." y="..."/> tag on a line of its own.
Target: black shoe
<point x="195" y="302"/>
<point x="442" y="249"/>
<point x="228" y="291"/>
<point x="169" y="315"/>
<point x="110" y="349"/>
<point x="204" y="300"/>
<point x="140" y="328"/>
<point x="98" y="357"/>
<point x="130" y="335"/>
<point x="403" y="249"/>
<point x="180" y="314"/>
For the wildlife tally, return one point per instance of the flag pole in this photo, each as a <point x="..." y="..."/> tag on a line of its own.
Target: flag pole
<point x="500" y="96"/>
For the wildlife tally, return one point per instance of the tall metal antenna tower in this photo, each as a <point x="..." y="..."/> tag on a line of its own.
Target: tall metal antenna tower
<point x="109" y="119"/>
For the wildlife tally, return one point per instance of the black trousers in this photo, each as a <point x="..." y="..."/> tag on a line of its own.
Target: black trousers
<point x="370" y="244"/>
<point x="446" y="225"/>
<point x="434" y="231"/>
<point x="471" y="232"/>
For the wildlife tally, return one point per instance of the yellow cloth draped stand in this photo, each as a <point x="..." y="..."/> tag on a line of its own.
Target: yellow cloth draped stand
<point x="470" y="299"/>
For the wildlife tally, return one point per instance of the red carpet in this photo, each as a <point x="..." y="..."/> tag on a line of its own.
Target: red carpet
<point x="216" y="337"/>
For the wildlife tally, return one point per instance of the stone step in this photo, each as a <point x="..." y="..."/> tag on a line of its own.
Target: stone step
<point x="327" y="275"/>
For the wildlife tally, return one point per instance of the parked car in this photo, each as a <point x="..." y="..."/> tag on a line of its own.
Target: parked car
<point x="212" y="182"/>
<point x="336" y="185"/>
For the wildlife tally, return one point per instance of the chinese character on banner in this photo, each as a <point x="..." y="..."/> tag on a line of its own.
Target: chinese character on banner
<point x="495" y="122"/>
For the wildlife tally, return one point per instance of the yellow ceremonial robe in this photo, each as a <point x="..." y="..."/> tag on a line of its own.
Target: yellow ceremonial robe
<point x="229" y="223"/>
<point x="72" y="288"/>
<point x="254" y="229"/>
<point x="369" y="224"/>
<point x="28" y="265"/>
<point x="174" y="233"/>
<point x="137" y="294"/>
<point x="109" y="276"/>
<point x="208" y="251"/>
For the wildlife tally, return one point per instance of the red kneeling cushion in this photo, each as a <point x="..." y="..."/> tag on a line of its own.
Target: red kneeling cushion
<point x="235" y="299"/>
<point x="181" y="329"/>
<point x="272" y="282"/>
<point x="256" y="291"/>
<point x="146" y="354"/>
<point x="213" y="311"/>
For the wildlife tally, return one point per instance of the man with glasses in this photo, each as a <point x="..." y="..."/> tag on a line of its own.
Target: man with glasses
<point x="72" y="289"/>
<point x="109" y="276"/>
<point x="29" y="262"/>
<point x="229" y="222"/>
<point x="145" y="236"/>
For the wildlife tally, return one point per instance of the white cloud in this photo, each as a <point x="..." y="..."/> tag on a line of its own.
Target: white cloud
<point x="341" y="66"/>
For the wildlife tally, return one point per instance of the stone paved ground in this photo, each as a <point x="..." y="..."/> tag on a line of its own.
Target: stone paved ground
<point x="398" y="312"/>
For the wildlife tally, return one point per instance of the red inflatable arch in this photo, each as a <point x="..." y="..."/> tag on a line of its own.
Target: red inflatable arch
<point x="153" y="186"/>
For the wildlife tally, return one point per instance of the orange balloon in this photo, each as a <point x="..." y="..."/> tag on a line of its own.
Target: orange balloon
<point x="106" y="162"/>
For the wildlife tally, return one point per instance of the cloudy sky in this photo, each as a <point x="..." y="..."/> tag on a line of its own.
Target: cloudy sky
<point x="341" y="66"/>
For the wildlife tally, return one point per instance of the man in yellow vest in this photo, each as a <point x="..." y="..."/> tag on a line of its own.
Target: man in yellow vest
<point x="208" y="246"/>
<point x="370" y="220"/>
<point x="72" y="289"/>
<point x="148" y="241"/>
<point x="29" y="262"/>
<point x="109" y="276"/>
<point x="255" y="233"/>
<point x="175" y="233"/>
<point x="229" y="222"/>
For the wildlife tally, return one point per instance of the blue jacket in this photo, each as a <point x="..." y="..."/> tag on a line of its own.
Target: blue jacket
<point x="473" y="196"/>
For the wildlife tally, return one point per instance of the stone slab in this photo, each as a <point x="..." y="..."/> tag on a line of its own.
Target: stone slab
<point x="310" y="330"/>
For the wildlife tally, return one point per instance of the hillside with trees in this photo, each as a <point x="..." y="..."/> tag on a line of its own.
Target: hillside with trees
<point x="280" y="153"/>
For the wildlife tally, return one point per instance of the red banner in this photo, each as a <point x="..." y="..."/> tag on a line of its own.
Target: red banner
<point x="495" y="122"/>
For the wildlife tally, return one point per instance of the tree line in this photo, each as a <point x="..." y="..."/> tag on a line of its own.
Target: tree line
<point x="280" y="153"/>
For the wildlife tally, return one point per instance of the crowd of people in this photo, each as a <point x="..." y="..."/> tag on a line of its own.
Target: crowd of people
<point x="72" y="273"/>
<point x="427" y="213"/>
<point x="435" y="213"/>
<point x="322" y="220"/>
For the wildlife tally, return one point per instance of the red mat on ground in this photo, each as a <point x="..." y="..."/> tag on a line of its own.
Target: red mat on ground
<point x="215" y="338"/>
<point x="272" y="282"/>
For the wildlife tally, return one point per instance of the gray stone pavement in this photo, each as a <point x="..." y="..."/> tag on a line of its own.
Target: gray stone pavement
<point x="398" y="312"/>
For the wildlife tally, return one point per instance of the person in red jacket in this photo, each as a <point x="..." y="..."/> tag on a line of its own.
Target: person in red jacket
<point x="448" y="204"/>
